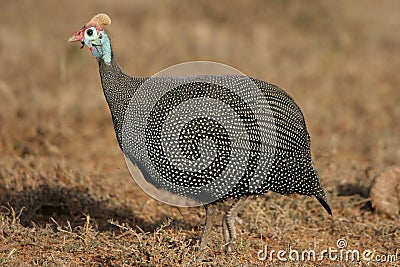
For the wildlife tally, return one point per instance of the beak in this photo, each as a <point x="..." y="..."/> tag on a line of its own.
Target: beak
<point x="78" y="36"/>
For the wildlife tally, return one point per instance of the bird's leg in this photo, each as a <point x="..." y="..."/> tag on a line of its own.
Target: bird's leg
<point x="228" y="222"/>
<point x="211" y="212"/>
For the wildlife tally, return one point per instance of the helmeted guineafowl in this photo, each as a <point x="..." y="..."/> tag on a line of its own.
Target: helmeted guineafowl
<point x="247" y="136"/>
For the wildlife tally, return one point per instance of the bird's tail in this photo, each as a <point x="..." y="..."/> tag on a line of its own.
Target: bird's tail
<point x="324" y="203"/>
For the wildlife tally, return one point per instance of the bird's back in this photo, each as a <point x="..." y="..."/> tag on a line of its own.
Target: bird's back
<point x="185" y="133"/>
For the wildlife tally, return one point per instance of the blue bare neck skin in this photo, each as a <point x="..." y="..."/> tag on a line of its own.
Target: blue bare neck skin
<point x="103" y="51"/>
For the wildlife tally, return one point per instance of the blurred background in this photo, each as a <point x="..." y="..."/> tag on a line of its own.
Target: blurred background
<point x="337" y="59"/>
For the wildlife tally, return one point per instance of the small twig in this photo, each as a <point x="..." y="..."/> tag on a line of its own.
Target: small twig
<point x="361" y="201"/>
<point x="315" y="229"/>
<point x="59" y="228"/>
<point x="15" y="216"/>
<point x="110" y="221"/>
<point x="87" y="224"/>
<point x="11" y="252"/>
<point x="128" y="230"/>
<point x="140" y="229"/>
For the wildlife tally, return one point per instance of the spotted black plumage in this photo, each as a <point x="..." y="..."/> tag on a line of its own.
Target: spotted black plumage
<point x="291" y="169"/>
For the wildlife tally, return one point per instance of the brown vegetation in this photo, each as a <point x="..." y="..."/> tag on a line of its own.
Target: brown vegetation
<point x="66" y="196"/>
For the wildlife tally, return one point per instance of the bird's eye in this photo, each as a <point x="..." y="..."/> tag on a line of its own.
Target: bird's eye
<point x="89" y="32"/>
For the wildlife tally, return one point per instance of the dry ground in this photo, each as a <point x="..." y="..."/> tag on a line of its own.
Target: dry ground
<point x="66" y="196"/>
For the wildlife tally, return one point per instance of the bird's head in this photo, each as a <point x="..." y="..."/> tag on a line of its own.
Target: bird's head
<point x="93" y="35"/>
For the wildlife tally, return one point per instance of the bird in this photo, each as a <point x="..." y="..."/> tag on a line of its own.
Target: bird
<point x="230" y="136"/>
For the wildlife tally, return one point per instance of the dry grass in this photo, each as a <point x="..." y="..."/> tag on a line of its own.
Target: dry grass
<point x="67" y="198"/>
